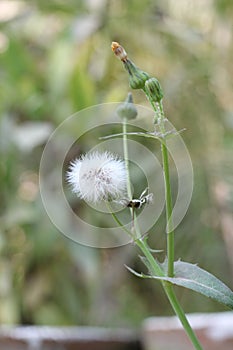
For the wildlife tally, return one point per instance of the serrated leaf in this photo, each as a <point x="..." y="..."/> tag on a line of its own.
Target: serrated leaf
<point x="193" y="277"/>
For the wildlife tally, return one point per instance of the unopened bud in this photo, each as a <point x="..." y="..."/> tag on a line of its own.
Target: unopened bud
<point x="127" y="110"/>
<point x="137" y="77"/>
<point x="153" y="89"/>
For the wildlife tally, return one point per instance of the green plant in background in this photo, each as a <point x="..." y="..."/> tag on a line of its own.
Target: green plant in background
<point x="98" y="177"/>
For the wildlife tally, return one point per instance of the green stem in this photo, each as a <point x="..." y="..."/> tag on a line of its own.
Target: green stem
<point x="141" y="243"/>
<point x="135" y="226"/>
<point x="126" y="157"/>
<point x="180" y="313"/>
<point x="117" y="220"/>
<point x="168" y="288"/>
<point x="170" y="231"/>
<point x="158" y="108"/>
<point x="157" y="270"/>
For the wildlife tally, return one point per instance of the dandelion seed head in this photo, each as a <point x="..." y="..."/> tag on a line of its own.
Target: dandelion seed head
<point x="97" y="176"/>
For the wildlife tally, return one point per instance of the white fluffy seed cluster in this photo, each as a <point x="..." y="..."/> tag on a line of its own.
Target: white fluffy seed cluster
<point x="98" y="176"/>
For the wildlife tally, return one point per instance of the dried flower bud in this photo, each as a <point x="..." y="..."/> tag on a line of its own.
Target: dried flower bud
<point x="119" y="51"/>
<point x="153" y="89"/>
<point x="127" y="110"/>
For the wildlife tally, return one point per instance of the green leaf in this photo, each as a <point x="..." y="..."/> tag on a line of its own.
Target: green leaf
<point x="153" y="135"/>
<point x="193" y="277"/>
<point x="141" y="275"/>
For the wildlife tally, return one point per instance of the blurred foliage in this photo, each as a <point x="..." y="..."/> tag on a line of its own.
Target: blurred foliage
<point x="55" y="59"/>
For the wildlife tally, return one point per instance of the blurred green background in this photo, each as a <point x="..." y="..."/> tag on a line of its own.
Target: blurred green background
<point x="55" y="59"/>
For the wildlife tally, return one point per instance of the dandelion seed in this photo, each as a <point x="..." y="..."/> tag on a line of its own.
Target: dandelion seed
<point x="98" y="176"/>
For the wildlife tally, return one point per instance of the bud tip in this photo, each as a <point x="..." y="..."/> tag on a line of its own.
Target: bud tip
<point x="119" y="51"/>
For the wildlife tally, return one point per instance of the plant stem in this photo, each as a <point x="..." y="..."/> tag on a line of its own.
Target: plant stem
<point x="126" y="157"/>
<point x="180" y="313"/>
<point x="155" y="267"/>
<point x="157" y="270"/>
<point x="135" y="227"/>
<point x="158" y="108"/>
<point x="139" y="240"/>
<point x="170" y="231"/>
<point x="168" y="288"/>
<point x="117" y="220"/>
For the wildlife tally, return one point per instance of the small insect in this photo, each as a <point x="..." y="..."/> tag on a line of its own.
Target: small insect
<point x="138" y="203"/>
<point x="119" y="51"/>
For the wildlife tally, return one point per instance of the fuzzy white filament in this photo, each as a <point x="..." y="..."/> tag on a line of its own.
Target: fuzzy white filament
<point x="97" y="176"/>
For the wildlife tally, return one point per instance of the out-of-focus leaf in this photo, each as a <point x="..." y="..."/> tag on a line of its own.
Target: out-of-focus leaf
<point x="38" y="286"/>
<point x="6" y="127"/>
<point x="17" y="215"/>
<point x="31" y="134"/>
<point x="8" y="305"/>
<point x="25" y="136"/>
<point x="81" y="89"/>
<point x="85" y="26"/>
<point x="9" y="310"/>
<point x="59" y="69"/>
<point x="50" y="314"/>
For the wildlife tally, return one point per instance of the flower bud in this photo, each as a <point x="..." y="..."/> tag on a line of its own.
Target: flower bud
<point x="153" y="89"/>
<point x="137" y="77"/>
<point x="127" y="110"/>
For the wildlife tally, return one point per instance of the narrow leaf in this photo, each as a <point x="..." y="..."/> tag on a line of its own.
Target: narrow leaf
<point x="141" y="275"/>
<point x="193" y="277"/>
<point x="156" y="250"/>
<point x="143" y="134"/>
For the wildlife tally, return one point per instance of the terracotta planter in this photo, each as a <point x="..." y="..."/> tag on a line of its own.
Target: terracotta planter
<point x="67" y="338"/>
<point x="214" y="330"/>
